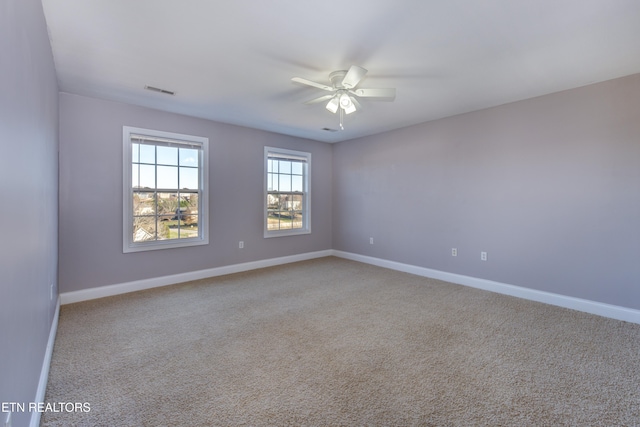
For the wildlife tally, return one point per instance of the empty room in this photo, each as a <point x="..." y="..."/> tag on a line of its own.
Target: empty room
<point x="320" y="213"/>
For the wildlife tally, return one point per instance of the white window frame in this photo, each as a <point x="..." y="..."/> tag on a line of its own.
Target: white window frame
<point x="306" y="207"/>
<point x="128" y="244"/>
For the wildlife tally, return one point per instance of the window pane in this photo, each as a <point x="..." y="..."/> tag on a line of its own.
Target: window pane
<point x="189" y="228"/>
<point x="135" y="183"/>
<point x="167" y="156"/>
<point x="191" y="219"/>
<point x="167" y="228"/>
<point x="167" y="204"/>
<point x="190" y="201"/>
<point x="297" y="201"/>
<point x="296" y="219"/>
<point x="167" y="176"/>
<point x="147" y="153"/>
<point x="272" y="201"/>
<point x="285" y="220"/>
<point x="273" y="223"/>
<point x="147" y="176"/>
<point x="189" y="178"/>
<point x="279" y="200"/>
<point x="285" y="166"/>
<point x="296" y="168"/>
<point x="274" y="166"/>
<point x="144" y="204"/>
<point x="269" y="182"/>
<point x="296" y="183"/>
<point x="188" y="157"/>
<point x="285" y="183"/>
<point x="144" y="228"/>
<point x="134" y="152"/>
<point x="285" y="202"/>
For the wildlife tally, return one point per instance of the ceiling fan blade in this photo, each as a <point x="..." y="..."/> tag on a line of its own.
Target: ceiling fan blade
<point x="322" y="98"/>
<point x="353" y="77"/>
<point x="380" y="94"/>
<point x="310" y="83"/>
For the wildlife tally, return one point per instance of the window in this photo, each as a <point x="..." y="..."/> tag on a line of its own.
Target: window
<point x="165" y="197"/>
<point x="287" y="196"/>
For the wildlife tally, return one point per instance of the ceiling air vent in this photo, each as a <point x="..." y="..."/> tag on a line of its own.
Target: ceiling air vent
<point x="157" y="89"/>
<point x="330" y="130"/>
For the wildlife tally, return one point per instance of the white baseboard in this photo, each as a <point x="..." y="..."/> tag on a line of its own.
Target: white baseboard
<point x="587" y="306"/>
<point x="46" y="363"/>
<point x="139" y="285"/>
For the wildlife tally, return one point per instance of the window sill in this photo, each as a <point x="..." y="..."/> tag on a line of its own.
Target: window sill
<point x="163" y="244"/>
<point x="284" y="233"/>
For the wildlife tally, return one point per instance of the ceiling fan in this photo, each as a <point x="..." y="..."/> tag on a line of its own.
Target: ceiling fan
<point x="344" y="93"/>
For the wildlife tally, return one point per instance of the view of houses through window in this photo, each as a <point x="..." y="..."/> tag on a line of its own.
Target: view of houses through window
<point x="159" y="216"/>
<point x="164" y="202"/>
<point x="287" y="191"/>
<point x="165" y="192"/>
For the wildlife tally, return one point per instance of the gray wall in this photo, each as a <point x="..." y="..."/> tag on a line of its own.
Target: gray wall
<point x="91" y="195"/>
<point x="549" y="187"/>
<point x="28" y="183"/>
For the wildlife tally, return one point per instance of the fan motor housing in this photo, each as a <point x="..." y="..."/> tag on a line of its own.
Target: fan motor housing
<point x="336" y="78"/>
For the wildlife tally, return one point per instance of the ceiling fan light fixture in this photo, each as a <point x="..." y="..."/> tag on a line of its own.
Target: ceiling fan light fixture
<point x="346" y="104"/>
<point x="345" y="101"/>
<point x="350" y="110"/>
<point x="333" y="105"/>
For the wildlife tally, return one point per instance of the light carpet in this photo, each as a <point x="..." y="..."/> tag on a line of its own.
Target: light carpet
<point x="331" y="342"/>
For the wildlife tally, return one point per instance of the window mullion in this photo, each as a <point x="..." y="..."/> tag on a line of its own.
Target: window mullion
<point x="155" y="213"/>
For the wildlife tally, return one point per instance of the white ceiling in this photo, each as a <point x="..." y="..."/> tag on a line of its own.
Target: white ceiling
<point x="232" y="60"/>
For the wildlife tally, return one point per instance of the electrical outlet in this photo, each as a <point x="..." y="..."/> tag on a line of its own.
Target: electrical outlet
<point x="241" y="244"/>
<point x="454" y="252"/>
<point x="483" y="256"/>
<point x="371" y="240"/>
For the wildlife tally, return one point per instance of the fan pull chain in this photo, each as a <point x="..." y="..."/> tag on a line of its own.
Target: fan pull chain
<point x="341" y="118"/>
